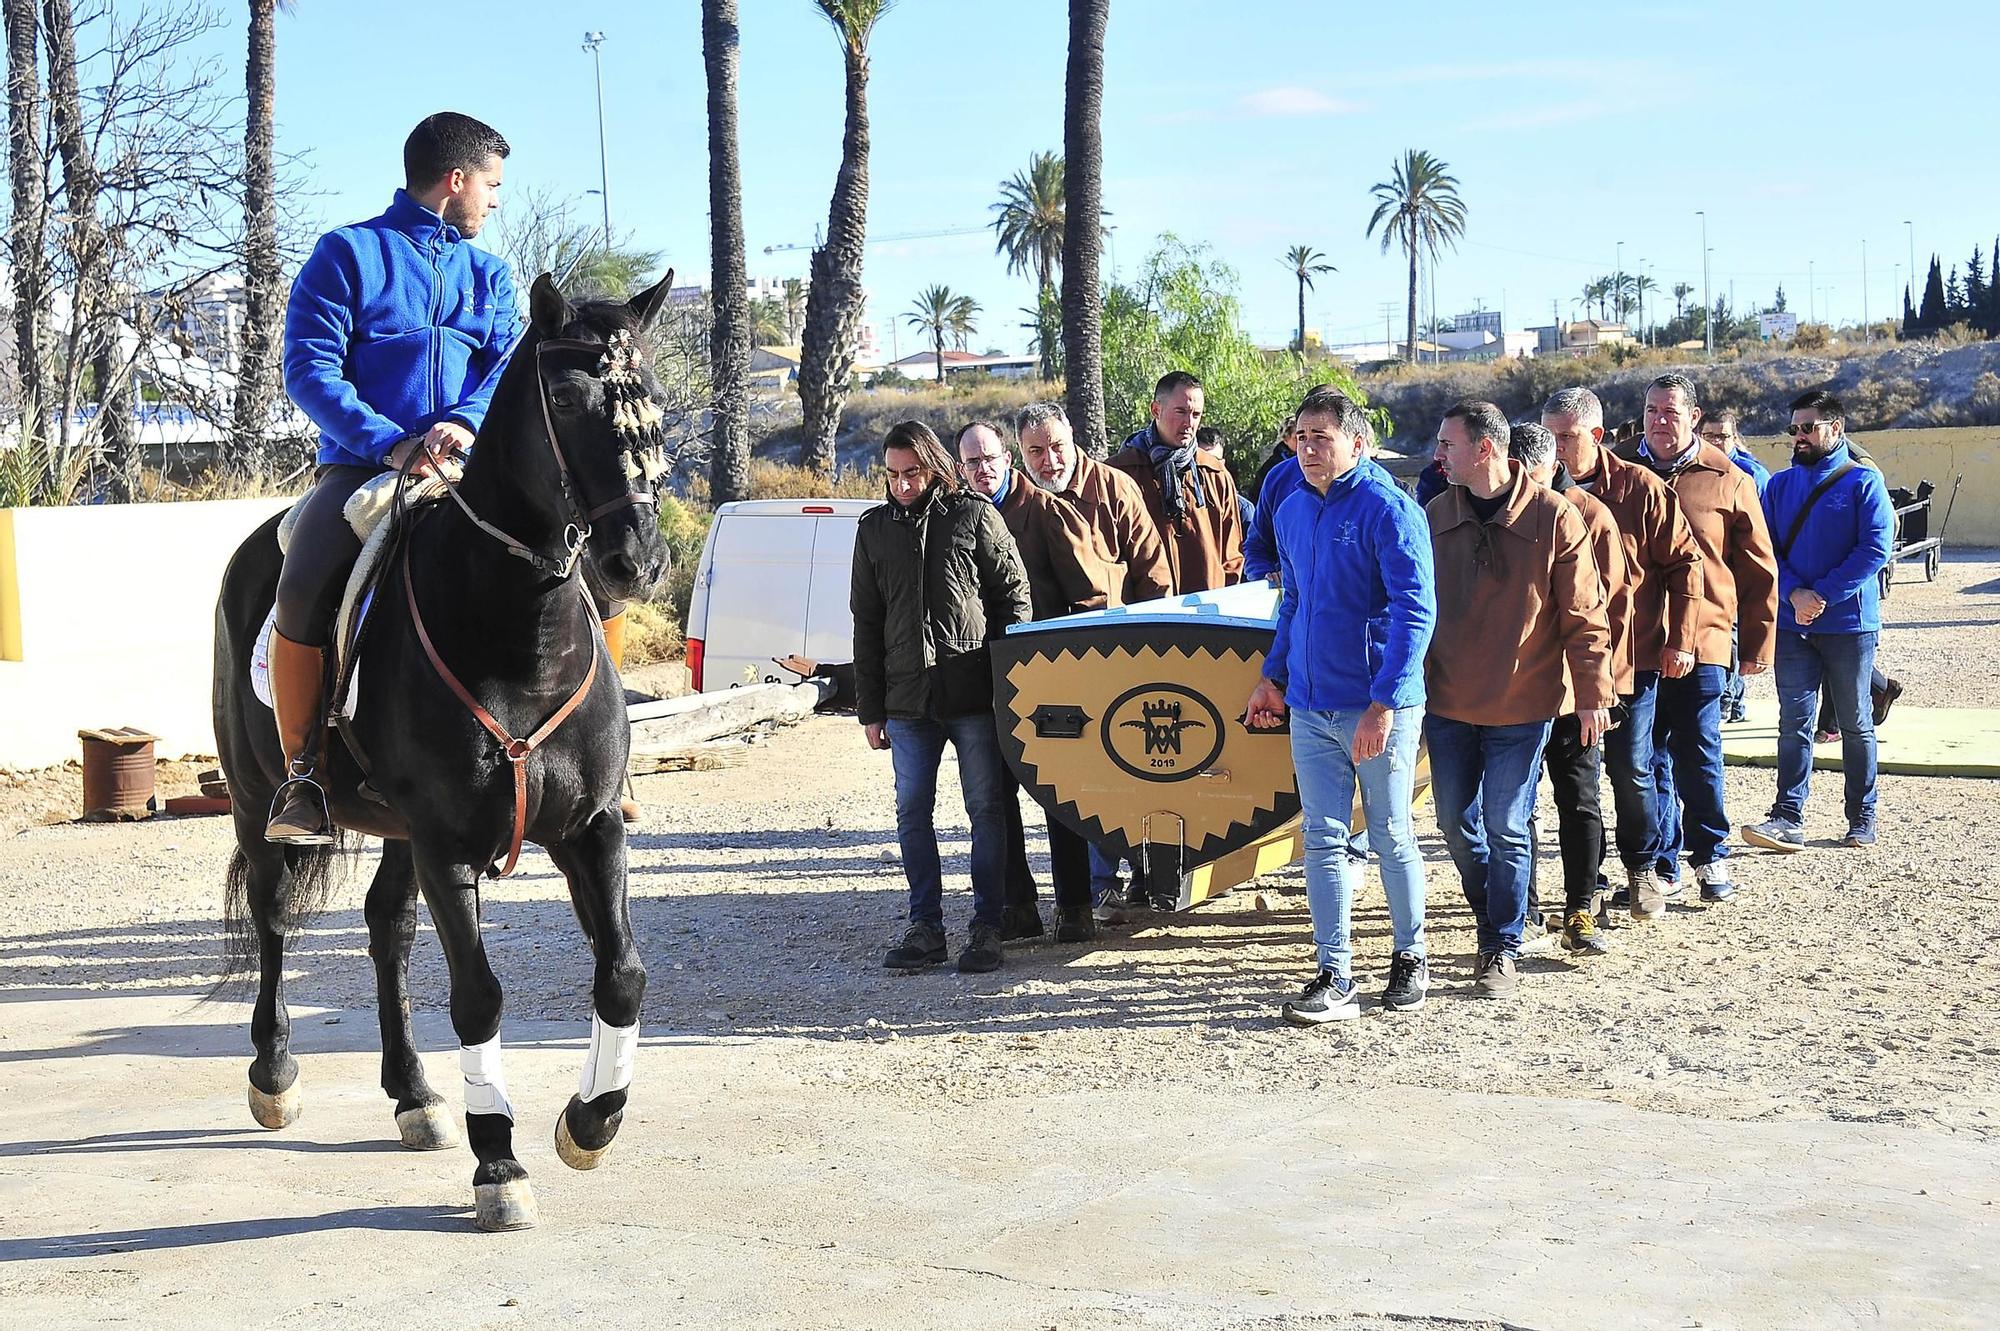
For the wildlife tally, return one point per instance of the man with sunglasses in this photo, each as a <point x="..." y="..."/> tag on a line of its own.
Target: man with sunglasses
<point x="1834" y="526"/>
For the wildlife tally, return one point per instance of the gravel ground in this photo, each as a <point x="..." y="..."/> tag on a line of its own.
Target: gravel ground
<point x="1850" y="985"/>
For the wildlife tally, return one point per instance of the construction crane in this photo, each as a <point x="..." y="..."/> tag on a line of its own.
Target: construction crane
<point x="883" y="240"/>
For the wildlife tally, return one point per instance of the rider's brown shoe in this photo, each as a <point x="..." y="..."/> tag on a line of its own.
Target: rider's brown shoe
<point x="298" y="817"/>
<point x="298" y="814"/>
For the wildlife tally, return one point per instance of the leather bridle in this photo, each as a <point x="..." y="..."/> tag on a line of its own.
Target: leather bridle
<point x="580" y="518"/>
<point x="575" y="535"/>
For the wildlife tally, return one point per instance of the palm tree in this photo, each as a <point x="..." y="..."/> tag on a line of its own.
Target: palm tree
<point x="834" y="300"/>
<point x="1591" y="296"/>
<point x="1083" y="183"/>
<point x="1305" y="263"/>
<point x="729" y="324"/>
<point x="1029" y="231"/>
<point x="1682" y="291"/>
<point x="939" y="311"/>
<point x="963" y="325"/>
<point x="1641" y="284"/>
<point x="795" y="308"/>
<point x="1419" y="207"/>
<point x="263" y="276"/>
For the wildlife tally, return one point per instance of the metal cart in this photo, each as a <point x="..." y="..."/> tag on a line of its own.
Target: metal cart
<point x="1913" y="539"/>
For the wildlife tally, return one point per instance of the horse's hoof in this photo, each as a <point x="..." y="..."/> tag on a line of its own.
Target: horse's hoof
<point x="503" y="1206"/>
<point x="426" y="1128"/>
<point x="275" y="1111"/>
<point x="576" y="1157"/>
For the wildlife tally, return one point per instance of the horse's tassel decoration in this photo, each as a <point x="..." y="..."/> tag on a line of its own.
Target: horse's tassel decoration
<point x="637" y="420"/>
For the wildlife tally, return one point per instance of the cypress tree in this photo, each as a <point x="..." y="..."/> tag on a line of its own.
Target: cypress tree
<point x="1909" y="315"/>
<point x="1932" y="315"/>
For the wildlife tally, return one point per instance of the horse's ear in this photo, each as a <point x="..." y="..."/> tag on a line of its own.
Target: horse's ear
<point x="547" y="309"/>
<point x="646" y="306"/>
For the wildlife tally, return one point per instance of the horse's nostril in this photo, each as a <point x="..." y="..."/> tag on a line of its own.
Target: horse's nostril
<point x="622" y="567"/>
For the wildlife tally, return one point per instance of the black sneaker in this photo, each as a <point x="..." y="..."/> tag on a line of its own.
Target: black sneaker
<point x="922" y="945"/>
<point x="1111" y="908"/>
<point x="982" y="952"/>
<point x="1021" y="922"/>
<point x="1325" y="998"/>
<point x="1075" y="926"/>
<point x="1409" y="980"/>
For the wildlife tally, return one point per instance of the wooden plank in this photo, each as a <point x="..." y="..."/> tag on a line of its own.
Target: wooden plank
<point x="708" y="716"/>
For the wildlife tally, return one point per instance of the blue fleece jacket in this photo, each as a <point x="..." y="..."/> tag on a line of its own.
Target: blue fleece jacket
<point x="1841" y="549"/>
<point x="1260" y="547"/>
<point x="1360" y="602"/>
<point x="394" y="325"/>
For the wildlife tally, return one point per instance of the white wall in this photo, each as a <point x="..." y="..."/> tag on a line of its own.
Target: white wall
<point x="115" y="623"/>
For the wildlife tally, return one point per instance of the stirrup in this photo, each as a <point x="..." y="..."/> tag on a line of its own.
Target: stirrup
<point x="300" y="776"/>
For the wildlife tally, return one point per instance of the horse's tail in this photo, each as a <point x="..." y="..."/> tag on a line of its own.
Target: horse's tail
<point x="304" y="881"/>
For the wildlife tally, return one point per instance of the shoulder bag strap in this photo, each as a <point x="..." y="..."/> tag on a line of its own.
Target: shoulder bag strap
<point x="1799" y="518"/>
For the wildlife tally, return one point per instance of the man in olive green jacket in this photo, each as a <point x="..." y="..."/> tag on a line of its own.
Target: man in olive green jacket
<point x="935" y="575"/>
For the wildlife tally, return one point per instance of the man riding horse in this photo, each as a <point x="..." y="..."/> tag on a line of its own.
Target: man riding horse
<point x="395" y="336"/>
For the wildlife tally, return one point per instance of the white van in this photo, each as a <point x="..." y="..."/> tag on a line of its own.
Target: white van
<point x="773" y="581"/>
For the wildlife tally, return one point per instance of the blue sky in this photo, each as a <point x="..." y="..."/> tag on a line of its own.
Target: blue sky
<point x="1251" y="125"/>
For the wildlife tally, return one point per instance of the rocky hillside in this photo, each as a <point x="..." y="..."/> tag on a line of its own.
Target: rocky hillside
<point x="1905" y="386"/>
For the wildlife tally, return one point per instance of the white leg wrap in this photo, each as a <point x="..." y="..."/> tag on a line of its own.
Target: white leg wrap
<point x="485" y="1082"/>
<point x="609" y="1067"/>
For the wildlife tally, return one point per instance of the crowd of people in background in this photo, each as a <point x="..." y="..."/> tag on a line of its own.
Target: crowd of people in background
<point x="1546" y="601"/>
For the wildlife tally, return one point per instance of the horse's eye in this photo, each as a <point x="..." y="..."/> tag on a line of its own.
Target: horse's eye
<point x="563" y="399"/>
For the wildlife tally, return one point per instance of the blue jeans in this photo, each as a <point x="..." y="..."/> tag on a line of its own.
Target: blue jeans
<point x="1483" y="779"/>
<point x="915" y="750"/>
<point x="1687" y="770"/>
<point x="1732" y="687"/>
<point x="1322" y="754"/>
<point x="1845" y="663"/>
<point x="1628" y="761"/>
<point x="1104" y="873"/>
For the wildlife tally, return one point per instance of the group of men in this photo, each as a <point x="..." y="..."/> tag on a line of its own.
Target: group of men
<point x="1559" y="606"/>
<point x="970" y="544"/>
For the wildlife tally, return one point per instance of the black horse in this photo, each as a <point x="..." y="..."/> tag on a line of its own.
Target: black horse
<point x="486" y="593"/>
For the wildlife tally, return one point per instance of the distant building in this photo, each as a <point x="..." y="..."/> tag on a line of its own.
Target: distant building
<point x="924" y="365"/>
<point x="1477" y="321"/>
<point x="205" y="319"/>
<point x="1581" y="338"/>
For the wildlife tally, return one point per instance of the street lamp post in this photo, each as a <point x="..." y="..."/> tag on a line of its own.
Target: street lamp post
<point x="593" y="42"/>
<point x="1810" y="317"/>
<point x="1707" y="303"/>
<point x="1916" y="299"/>
<point x="1867" y="333"/>
<point x="1618" y="277"/>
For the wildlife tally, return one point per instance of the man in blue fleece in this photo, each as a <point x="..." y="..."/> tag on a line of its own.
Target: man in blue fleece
<point x="395" y="337"/>
<point x="1347" y="659"/>
<point x="1831" y="525"/>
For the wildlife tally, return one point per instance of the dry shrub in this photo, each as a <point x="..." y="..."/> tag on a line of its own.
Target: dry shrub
<point x="777" y="480"/>
<point x="1812" y="337"/>
<point x="1984" y="404"/>
<point x="1960" y="334"/>
<point x="653" y="633"/>
<point x="1884" y="401"/>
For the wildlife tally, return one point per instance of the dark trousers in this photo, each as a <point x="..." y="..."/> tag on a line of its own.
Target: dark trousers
<point x="1574" y="774"/>
<point x="323" y="548"/>
<point x="1069" y="867"/>
<point x="1021" y="890"/>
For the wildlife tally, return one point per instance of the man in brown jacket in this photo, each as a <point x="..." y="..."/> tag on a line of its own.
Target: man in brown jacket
<point x="1052" y="539"/>
<point x="1125" y="554"/>
<point x="1663" y="567"/>
<point x="1740" y="588"/>
<point x="1576" y="769"/>
<point x="1522" y="637"/>
<point x="1190" y="495"/>
<point x="1127" y="561"/>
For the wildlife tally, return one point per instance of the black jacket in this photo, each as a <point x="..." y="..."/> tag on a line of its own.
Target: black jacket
<point x="932" y="583"/>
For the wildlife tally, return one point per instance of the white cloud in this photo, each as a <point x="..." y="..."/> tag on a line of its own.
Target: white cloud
<point x="1290" y="101"/>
